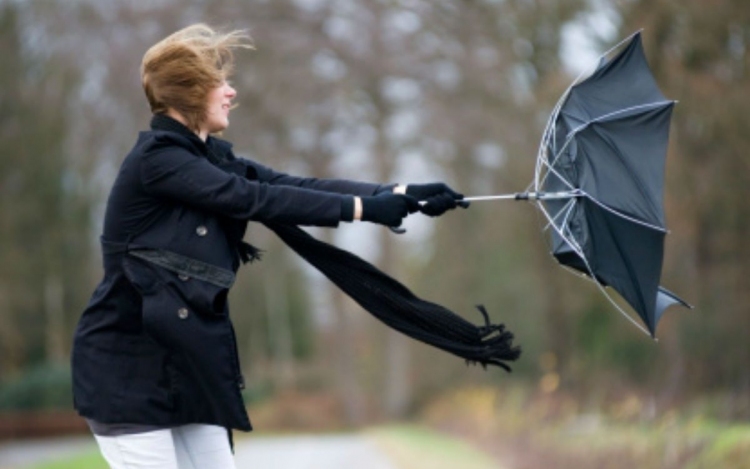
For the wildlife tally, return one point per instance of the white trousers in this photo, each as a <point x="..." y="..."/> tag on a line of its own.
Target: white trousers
<point x="185" y="447"/>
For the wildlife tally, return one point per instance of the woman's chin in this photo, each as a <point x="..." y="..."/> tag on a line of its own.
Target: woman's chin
<point x="219" y="127"/>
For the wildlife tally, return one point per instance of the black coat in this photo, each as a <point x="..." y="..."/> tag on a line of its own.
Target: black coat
<point x="156" y="345"/>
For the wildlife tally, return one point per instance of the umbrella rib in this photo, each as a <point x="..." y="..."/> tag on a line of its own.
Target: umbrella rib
<point x="542" y="159"/>
<point x="550" y="165"/>
<point x="606" y="294"/>
<point x="577" y="249"/>
<point x="571" y="242"/>
<point x="567" y="208"/>
<point x="567" y="216"/>
<point x="571" y="135"/>
<point x="547" y="134"/>
<point x="622" y="215"/>
<point x="603" y="117"/>
<point x="551" y="169"/>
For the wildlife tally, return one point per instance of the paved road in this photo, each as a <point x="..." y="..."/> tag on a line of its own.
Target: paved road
<point x="261" y="452"/>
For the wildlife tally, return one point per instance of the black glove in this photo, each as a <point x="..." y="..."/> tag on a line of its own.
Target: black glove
<point x="425" y="191"/>
<point x="438" y="204"/>
<point x="438" y="198"/>
<point x="388" y="209"/>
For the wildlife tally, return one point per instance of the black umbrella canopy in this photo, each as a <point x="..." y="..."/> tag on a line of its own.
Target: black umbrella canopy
<point x="607" y="145"/>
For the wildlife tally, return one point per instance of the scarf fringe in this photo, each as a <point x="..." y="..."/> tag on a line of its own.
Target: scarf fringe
<point x="248" y="252"/>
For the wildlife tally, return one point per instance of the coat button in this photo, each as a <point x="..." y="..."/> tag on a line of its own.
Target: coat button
<point x="183" y="277"/>
<point x="201" y="230"/>
<point x="182" y="313"/>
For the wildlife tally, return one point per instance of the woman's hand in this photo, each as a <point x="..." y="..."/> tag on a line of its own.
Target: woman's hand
<point x="386" y="209"/>
<point x="438" y="197"/>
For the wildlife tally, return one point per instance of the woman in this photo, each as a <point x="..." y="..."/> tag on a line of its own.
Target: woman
<point x="155" y="365"/>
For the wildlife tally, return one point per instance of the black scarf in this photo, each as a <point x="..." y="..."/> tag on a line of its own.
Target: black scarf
<point x="382" y="296"/>
<point x="396" y="306"/>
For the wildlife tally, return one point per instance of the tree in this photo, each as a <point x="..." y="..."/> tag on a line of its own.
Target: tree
<point x="700" y="57"/>
<point x="43" y="213"/>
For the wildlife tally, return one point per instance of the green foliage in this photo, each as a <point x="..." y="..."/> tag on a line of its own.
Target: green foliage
<point x="44" y="217"/>
<point x="43" y="387"/>
<point x="730" y="448"/>
<point x="91" y="460"/>
<point x="593" y="328"/>
<point x="537" y="429"/>
<point x="257" y="391"/>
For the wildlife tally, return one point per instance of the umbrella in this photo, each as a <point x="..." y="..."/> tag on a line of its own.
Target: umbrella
<point x="599" y="180"/>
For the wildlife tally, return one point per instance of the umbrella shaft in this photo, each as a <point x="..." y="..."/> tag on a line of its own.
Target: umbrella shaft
<point x="526" y="196"/>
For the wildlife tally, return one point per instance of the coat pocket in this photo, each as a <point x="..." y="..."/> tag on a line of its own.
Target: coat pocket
<point x="199" y="295"/>
<point x="177" y="311"/>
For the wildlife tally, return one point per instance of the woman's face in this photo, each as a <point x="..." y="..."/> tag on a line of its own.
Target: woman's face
<point x="219" y="103"/>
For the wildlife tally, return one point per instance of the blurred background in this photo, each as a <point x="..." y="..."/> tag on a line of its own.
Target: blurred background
<point x="401" y="91"/>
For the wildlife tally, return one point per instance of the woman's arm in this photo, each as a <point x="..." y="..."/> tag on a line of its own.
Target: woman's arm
<point x="176" y="174"/>
<point x="338" y="186"/>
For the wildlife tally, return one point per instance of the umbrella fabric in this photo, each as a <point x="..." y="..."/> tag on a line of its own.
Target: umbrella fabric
<point x="608" y="145"/>
<point x="396" y="306"/>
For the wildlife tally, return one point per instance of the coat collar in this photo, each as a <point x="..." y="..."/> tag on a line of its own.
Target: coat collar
<point x="215" y="149"/>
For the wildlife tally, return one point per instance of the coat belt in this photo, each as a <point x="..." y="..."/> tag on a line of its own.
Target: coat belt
<point x="177" y="263"/>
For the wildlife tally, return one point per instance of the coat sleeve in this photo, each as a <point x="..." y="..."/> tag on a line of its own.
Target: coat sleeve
<point x="338" y="186"/>
<point x="178" y="175"/>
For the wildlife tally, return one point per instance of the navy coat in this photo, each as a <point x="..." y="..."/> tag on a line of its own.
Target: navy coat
<point x="156" y="345"/>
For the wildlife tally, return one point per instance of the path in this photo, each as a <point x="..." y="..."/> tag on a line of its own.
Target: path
<point x="310" y="452"/>
<point x="277" y="452"/>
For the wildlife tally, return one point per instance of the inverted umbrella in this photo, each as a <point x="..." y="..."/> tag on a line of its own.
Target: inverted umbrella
<point x="599" y="180"/>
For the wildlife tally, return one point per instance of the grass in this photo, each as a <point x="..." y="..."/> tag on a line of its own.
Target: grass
<point x="729" y="447"/>
<point x="88" y="460"/>
<point x="532" y="430"/>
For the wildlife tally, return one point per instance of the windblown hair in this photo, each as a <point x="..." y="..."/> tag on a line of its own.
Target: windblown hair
<point x="179" y="71"/>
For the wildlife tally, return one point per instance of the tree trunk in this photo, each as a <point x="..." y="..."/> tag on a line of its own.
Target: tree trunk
<point x="56" y="335"/>
<point x="279" y="327"/>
